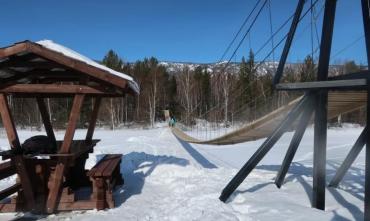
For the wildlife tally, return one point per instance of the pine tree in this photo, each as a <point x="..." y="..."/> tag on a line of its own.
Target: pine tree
<point x="350" y="67"/>
<point x="206" y="90"/>
<point x="113" y="61"/>
<point x="172" y="94"/>
<point x="307" y="70"/>
<point x="243" y="79"/>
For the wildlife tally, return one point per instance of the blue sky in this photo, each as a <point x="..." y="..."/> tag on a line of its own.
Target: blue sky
<point x="172" y="30"/>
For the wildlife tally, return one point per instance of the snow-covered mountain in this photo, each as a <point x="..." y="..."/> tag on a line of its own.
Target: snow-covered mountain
<point x="233" y="67"/>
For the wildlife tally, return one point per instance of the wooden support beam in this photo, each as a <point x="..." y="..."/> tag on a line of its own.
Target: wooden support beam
<point x="33" y="95"/>
<point x="93" y="118"/>
<point x="46" y="120"/>
<point x="288" y="42"/>
<point x="7" y="169"/>
<point x="321" y="109"/>
<point x="350" y="158"/>
<point x="29" y="64"/>
<point x="8" y="122"/>
<point x="51" y="88"/>
<point x="367" y="161"/>
<point x="12" y="135"/>
<point x="364" y="74"/>
<point x="354" y="84"/>
<point x="60" y="169"/>
<point x="15" y="49"/>
<point x="296" y="140"/>
<point x="366" y="20"/>
<point x="72" y="123"/>
<point x="13" y="79"/>
<point x="262" y="150"/>
<point x="18" y="58"/>
<point x="10" y="190"/>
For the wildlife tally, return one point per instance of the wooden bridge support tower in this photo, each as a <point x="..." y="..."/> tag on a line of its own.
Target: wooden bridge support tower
<point x="316" y="101"/>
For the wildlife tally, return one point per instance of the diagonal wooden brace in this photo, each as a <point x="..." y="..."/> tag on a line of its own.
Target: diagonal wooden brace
<point x="263" y="149"/>
<point x="296" y="140"/>
<point x="350" y="158"/>
<point x="56" y="184"/>
<point x="12" y="135"/>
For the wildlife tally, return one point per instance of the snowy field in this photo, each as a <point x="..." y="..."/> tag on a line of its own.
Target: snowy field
<point x="166" y="179"/>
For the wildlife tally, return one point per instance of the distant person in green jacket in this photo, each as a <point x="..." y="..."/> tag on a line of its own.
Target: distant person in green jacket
<point x="172" y="121"/>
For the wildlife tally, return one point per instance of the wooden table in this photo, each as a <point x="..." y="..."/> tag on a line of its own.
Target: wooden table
<point x="41" y="169"/>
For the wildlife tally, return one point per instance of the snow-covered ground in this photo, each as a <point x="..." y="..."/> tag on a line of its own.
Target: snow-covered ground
<point x="166" y="179"/>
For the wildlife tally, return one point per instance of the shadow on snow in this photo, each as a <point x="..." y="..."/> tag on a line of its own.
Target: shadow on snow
<point x="135" y="167"/>
<point x="352" y="183"/>
<point x="196" y="155"/>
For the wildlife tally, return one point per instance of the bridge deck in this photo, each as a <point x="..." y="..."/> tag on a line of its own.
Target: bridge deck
<point x="338" y="103"/>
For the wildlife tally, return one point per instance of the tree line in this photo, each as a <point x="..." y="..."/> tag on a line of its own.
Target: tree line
<point x="222" y="94"/>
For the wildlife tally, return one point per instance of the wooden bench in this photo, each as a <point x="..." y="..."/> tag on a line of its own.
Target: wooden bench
<point x="105" y="175"/>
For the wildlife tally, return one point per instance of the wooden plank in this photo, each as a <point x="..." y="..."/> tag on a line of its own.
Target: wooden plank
<point x="46" y="120"/>
<point x="51" y="88"/>
<point x="103" y="167"/>
<point x="10" y="190"/>
<point x="65" y="148"/>
<point x="7" y="169"/>
<point x="14" y="63"/>
<point x="8" y="208"/>
<point x="18" y="58"/>
<point x="15" y="49"/>
<point x="77" y="65"/>
<point x="14" y="143"/>
<point x="114" y="163"/>
<point x="314" y="85"/>
<point x="78" y="205"/>
<point x="100" y="193"/>
<point x="104" y="163"/>
<point x="363" y="74"/>
<point x="12" y="79"/>
<point x="93" y="118"/>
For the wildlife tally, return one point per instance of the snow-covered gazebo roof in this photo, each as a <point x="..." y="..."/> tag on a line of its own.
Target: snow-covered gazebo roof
<point x="52" y="64"/>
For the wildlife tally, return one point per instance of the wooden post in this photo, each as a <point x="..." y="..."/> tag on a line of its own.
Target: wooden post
<point x="296" y="140"/>
<point x="366" y="20"/>
<point x="57" y="181"/>
<point x="321" y="109"/>
<point x="46" y="119"/>
<point x="93" y="118"/>
<point x="15" y="144"/>
<point x="367" y="161"/>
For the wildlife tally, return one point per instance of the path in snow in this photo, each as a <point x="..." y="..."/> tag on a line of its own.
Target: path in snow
<point x="166" y="179"/>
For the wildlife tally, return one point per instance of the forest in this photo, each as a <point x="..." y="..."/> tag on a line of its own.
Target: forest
<point x="226" y="94"/>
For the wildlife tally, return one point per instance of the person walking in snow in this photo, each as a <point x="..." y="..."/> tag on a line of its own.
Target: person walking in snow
<point x="172" y="121"/>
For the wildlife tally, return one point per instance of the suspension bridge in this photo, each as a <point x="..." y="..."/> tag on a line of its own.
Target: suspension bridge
<point x="338" y="103"/>
<point x="323" y="99"/>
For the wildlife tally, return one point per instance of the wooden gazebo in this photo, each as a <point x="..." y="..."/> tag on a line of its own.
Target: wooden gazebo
<point x="49" y="182"/>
